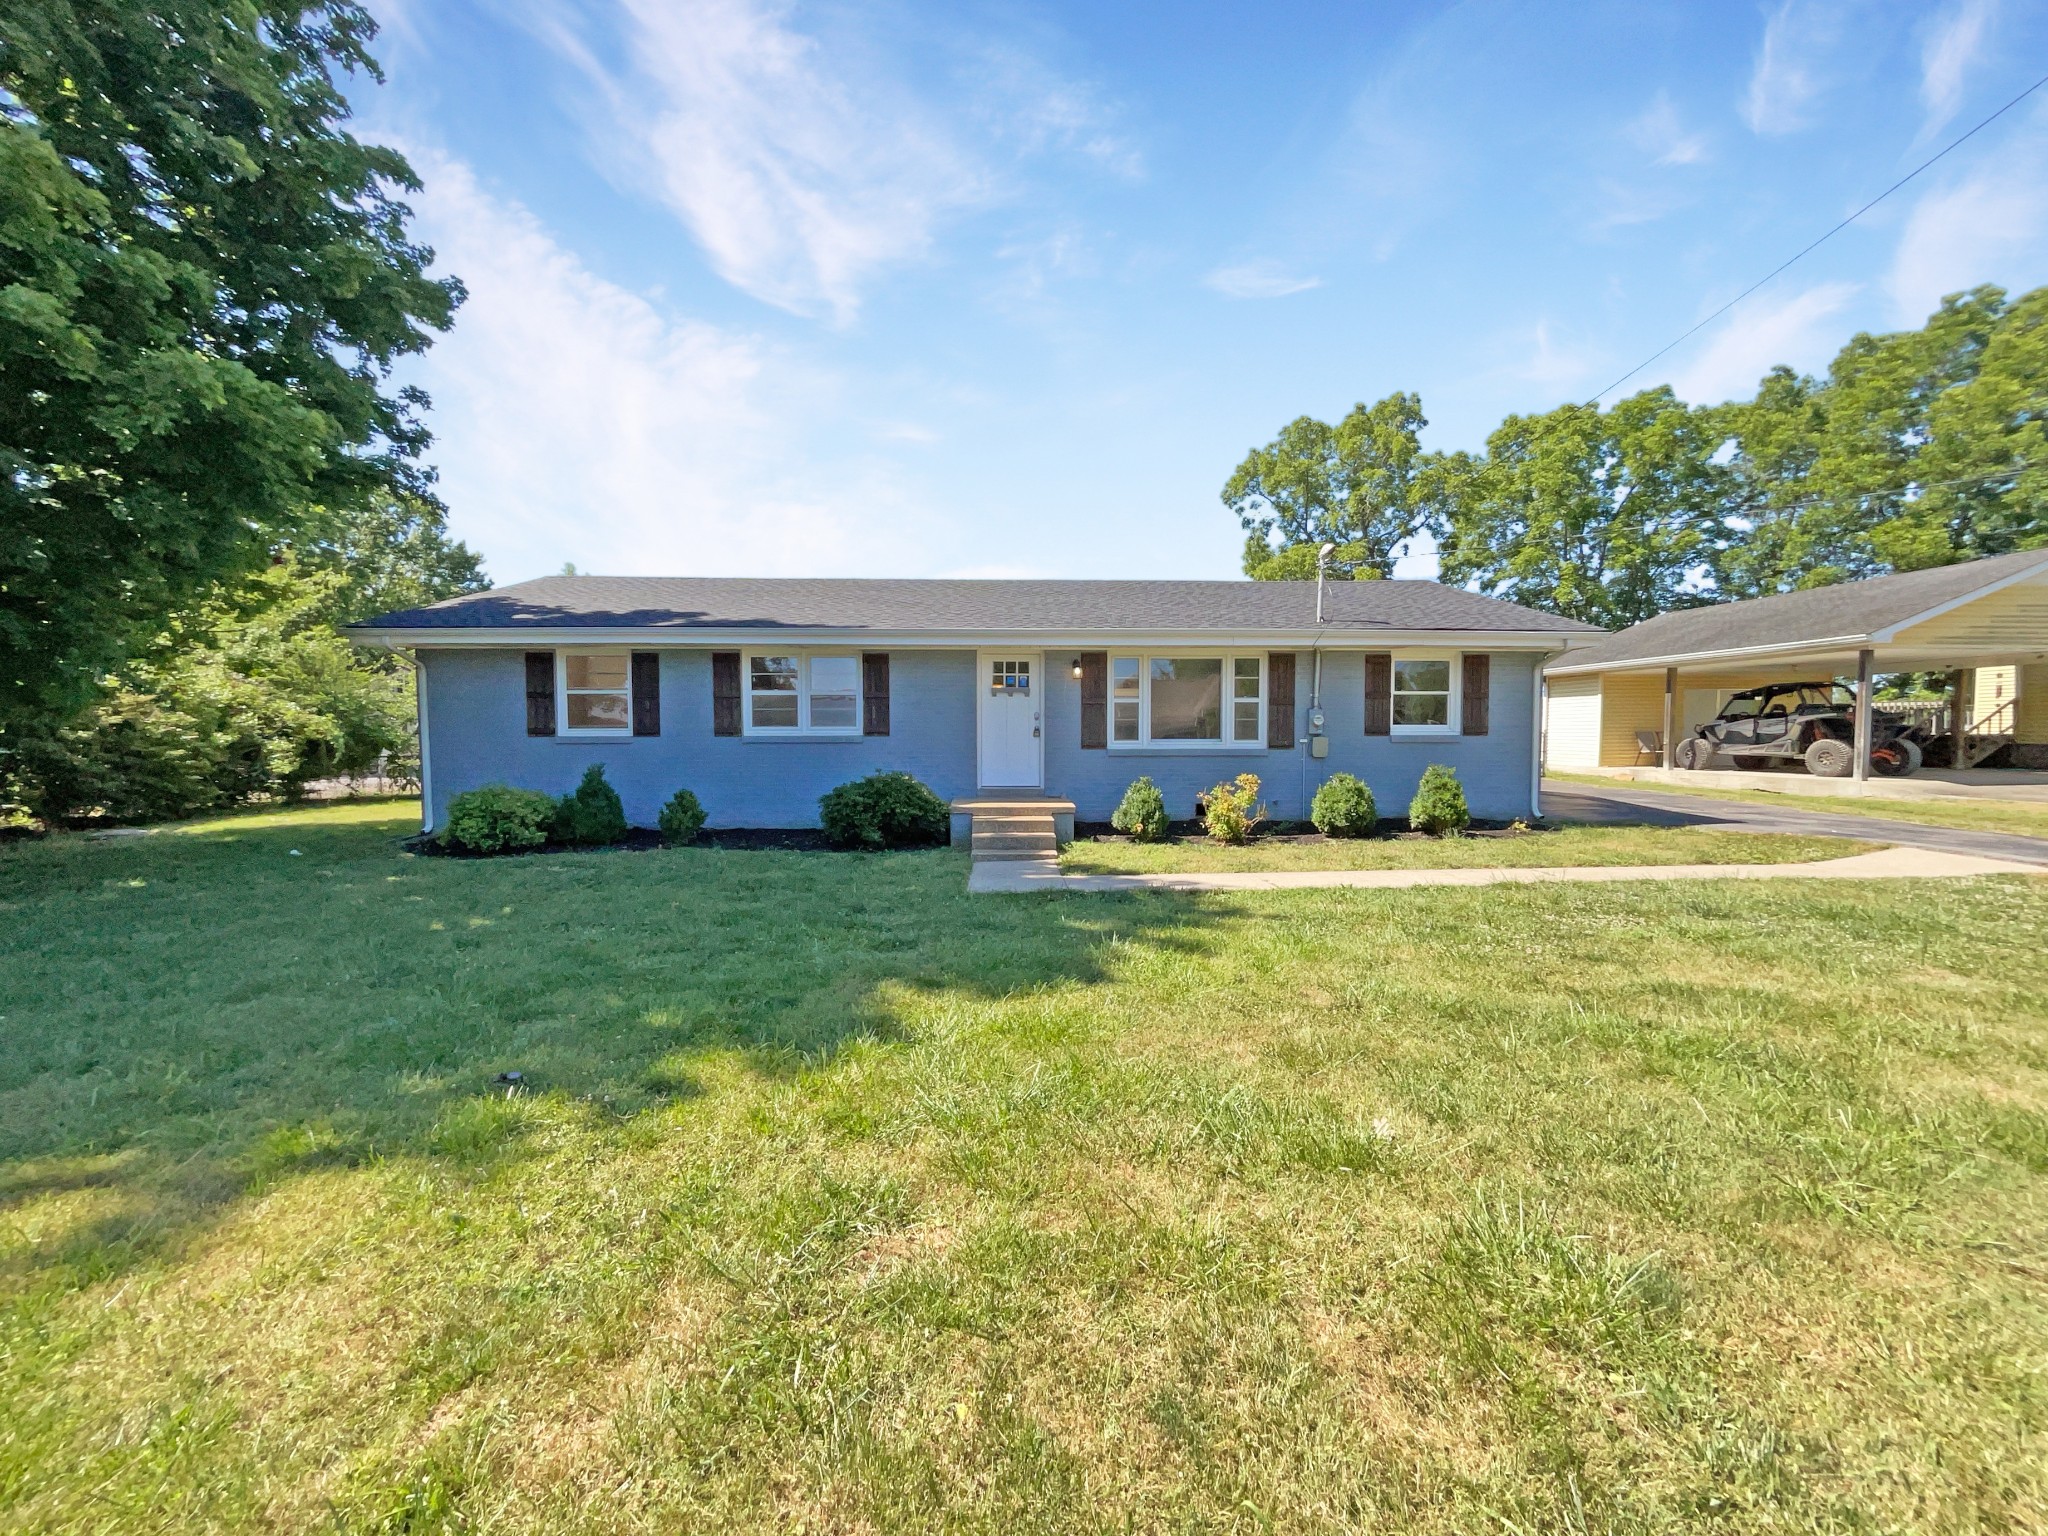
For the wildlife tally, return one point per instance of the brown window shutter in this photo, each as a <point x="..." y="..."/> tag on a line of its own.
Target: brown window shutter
<point x="874" y="693"/>
<point x="1095" y="698"/>
<point x="1280" y="699"/>
<point x="1379" y="693"/>
<point x="540" y="693"/>
<point x="1478" y="692"/>
<point x="725" y="693"/>
<point x="646" y="693"/>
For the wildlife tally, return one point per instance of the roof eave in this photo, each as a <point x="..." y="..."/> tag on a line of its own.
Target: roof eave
<point x="1356" y="637"/>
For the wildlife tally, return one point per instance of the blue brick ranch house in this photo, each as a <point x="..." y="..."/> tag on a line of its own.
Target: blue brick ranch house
<point x="760" y="695"/>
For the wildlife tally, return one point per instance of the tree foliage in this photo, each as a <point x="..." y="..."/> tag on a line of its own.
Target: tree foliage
<point x="204" y="284"/>
<point x="253" y="692"/>
<point x="1916" y="448"/>
<point x="1353" y="485"/>
<point x="1598" y="515"/>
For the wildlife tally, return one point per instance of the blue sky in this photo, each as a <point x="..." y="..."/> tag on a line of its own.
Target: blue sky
<point x="1008" y="289"/>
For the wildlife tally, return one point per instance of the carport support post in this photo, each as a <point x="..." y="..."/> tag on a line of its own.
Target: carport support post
<point x="1670" y="717"/>
<point x="1863" y="658"/>
<point x="1958" y="715"/>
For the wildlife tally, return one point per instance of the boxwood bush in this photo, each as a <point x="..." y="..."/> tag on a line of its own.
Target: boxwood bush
<point x="1344" y="807"/>
<point x="1142" y="812"/>
<point x="884" y="810"/>
<point x="498" y="819"/>
<point x="1439" y="804"/>
<point x="591" y="816"/>
<point x="682" y="818"/>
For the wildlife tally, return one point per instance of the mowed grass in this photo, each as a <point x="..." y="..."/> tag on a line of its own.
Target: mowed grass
<point x="843" y="1202"/>
<point x="1549" y="848"/>
<point x="2024" y="817"/>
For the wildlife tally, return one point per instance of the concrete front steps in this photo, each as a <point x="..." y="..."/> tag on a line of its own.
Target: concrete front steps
<point x="1013" y="825"/>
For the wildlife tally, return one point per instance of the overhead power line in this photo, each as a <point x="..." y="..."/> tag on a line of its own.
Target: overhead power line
<point x="1788" y="261"/>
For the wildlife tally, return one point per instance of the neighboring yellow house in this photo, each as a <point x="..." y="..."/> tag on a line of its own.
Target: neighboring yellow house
<point x="1627" y="700"/>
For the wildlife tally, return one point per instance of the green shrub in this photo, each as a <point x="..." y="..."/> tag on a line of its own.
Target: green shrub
<point x="1343" y="807"/>
<point x="591" y="816"/>
<point x="1439" y="804"/>
<point x="682" y="818"/>
<point x="884" y="810"/>
<point x="498" y="819"/>
<point x="1230" y="811"/>
<point x="1142" y="812"/>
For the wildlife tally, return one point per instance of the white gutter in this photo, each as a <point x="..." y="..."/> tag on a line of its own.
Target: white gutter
<point x="1682" y="658"/>
<point x="969" y="639"/>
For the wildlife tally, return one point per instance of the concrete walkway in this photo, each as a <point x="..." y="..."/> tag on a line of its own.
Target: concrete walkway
<point x="1885" y="864"/>
<point x="1600" y="802"/>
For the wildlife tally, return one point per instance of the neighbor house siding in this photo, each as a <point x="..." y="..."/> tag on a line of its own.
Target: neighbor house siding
<point x="1628" y="703"/>
<point x="2015" y="616"/>
<point x="2033" y="705"/>
<point x="1572" y="722"/>
<point x="1495" y="768"/>
<point x="477" y="735"/>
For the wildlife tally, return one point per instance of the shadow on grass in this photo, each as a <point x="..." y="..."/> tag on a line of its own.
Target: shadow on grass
<point x="195" y="1015"/>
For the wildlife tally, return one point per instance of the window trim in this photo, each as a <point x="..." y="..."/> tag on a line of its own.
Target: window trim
<point x="592" y="732"/>
<point x="1454" y="702"/>
<point x="1224" y="743"/>
<point x="803" y="730"/>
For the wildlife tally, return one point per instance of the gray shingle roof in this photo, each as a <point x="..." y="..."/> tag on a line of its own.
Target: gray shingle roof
<point x="908" y="607"/>
<point x="1850" y="610"/>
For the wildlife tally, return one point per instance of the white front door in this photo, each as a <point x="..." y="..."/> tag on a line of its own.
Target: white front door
<point x="1012" y="688"/>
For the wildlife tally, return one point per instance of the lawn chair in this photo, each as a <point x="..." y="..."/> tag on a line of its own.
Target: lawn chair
<point x="1649" y="744"/>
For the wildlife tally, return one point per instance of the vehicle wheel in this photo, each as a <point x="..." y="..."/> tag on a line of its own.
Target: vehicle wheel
<point x="1828" y="758"/>
<point x="1888" y="761"/>
<point x="1690" y="753"/>
<point x="1914" y="756"/>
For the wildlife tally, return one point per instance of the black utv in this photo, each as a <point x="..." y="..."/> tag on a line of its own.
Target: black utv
<point x="1813" y="722"/>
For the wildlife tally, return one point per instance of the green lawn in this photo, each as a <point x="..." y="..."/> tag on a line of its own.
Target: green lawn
<point x="843" y="1202"/>
<point x="2026" y="818"/>
<point x="1551" y="848"/>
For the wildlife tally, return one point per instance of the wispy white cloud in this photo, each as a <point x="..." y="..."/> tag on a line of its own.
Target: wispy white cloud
<point x="1955" y="41"/>
<point x="577" y="420"/>
<point x="806" y="164"/>
<point x="1787" y="76"/>
<point x="1258" y="280"/>
<point x="1550" y="362"/>
<point x="1988" y="227"/>
<point x="1801" y="331"/>
<point x="1661" y="134"/>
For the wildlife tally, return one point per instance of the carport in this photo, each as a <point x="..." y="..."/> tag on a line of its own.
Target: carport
<point x="1626" y="701"/>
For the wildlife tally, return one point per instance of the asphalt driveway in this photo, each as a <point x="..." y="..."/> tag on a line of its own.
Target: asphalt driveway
<point x="1630" y="803"/>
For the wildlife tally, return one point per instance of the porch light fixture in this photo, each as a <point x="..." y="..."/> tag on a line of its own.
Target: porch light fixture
<point x="1077" y="666"/>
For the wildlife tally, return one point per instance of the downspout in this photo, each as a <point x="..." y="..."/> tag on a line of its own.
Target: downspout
<point x="419" y="704"/>
<point x="1536" y="735"/>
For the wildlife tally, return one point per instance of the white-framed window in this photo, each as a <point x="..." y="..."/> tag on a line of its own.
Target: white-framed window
<point x="596" y="690"/>
<point x="802" y="693"/>
<point x="1426" y="696"/>
<point x="1187" y="701"/>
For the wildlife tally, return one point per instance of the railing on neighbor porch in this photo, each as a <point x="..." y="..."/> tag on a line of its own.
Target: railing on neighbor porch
<point x="1982" y="735"/>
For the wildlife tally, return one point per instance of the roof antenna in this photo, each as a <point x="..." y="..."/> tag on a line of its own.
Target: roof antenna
<point x="1322" y="566"/>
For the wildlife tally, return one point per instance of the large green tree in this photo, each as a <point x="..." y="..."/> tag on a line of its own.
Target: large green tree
<point x="1357" y="485"/>
<point x="1605" y="516"/>
<point x="254" y="691"/>
<point x="1919" y="448"/>
<point x="204" y="284"/>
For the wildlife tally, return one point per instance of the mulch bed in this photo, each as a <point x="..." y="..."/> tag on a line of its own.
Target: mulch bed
<point x="1302" y="832"/>
<point x="644" y="839"/>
